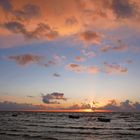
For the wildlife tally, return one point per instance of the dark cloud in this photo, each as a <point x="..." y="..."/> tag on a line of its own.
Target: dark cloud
<point x="53" y="98"/>
<point x="91" y="37"/>
<point x="15" y="27"/>
<point x="114" y="68"/>
<point x="26" y="59"/>
<point x="42" y="30"/>
<point x="6" y="5"/>
<point x="56" y="75"/>
<point x="28" y="12"/>
<point x="112" y="105"/>
<point x="123" y="8"/>
<point x="78" y="107"/>
<point x="19" y="106"/>
<point x="124" y="106"/>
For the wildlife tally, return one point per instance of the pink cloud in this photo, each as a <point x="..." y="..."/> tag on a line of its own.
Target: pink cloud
<point x="80" y="59"/>
<point x="26" y="59"/>
<point x="93" y="69"/>
<point x="114" y="68"/>
<point x="75" y="67"/>
<point x="80" y="68"/>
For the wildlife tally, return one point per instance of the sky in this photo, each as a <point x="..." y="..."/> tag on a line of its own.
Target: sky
<point x="70" y="55"/>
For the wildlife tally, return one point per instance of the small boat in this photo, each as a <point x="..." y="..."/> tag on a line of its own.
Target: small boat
<point x="74" y="116"/>
<point x="104" y="119"/>
<point x="14" y="115"/>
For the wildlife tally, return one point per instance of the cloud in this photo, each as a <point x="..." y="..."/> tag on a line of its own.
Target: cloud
<point x="124" y="106"/>
<point x="88" y="54"/>
<point x="78" y="106"/>
<point x="112" y="105"/>
<point x="118" y="47"/>
<point x="59" y="58"/>
<point x="80" y="59"/>
<point x="114" y="68"/>
<point x="53" y="98"/>
<point x="91" y="37"/>
<point x="42" y="30"/>
<point x="121" y="48"/>
<point x="26" y="59"/>
<point x="6" y="5"/>
<point x="93" y="69"/>
<point x="6" y="105"/>
<point x="75" y="67"/>
<point x="27" y="12"/>
<point x="106" y="48"/>
<point x="15" y="27"/>
<point x="123" y="8"/>
<point x="129" y="61"/>
<point x="80" y="68"/>
<point x="71" y="21"/>
<point x="56" y="60"/>
<point x="38" y="20"/>
<point x="56" y="75"/>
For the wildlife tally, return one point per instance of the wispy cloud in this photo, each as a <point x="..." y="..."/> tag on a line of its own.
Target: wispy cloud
<point x="88" y="53"/>
<point x="118" y="46"/>
<point x="26" y="59"/>
<point x="80" y="68"/>
<point x="114" y="68"/>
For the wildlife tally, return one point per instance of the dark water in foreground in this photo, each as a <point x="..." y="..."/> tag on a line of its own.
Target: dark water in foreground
<point x="58" y="126"/>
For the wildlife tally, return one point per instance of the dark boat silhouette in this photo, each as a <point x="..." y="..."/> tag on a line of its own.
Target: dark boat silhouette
<point x="14" y="115"/>
<point x="101" y="119"/>
<point x="74" y="116"/>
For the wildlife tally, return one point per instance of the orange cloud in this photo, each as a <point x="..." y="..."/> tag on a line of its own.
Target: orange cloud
<point x="39" y="19"/>
<point x="90" y="37"/>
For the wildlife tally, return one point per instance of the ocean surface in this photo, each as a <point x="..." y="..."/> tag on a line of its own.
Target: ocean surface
<point x="58" y="126"/>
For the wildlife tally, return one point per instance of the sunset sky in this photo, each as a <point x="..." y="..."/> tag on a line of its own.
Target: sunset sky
<point x="64" y="54"/>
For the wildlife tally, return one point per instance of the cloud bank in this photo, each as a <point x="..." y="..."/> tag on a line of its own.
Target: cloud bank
<point x="123" y="106"/>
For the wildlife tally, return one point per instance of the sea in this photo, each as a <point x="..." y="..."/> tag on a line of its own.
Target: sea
<point x="58" y="126"/>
